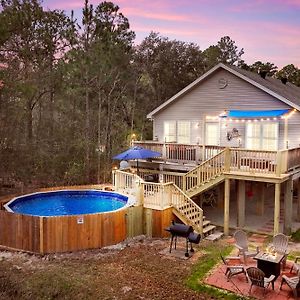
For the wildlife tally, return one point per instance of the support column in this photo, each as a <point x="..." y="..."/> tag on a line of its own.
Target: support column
<point x="241" y="203"/>
<point x="288" y="206"/>
<point x="260" y="199"/>
<point x="298" y="200"/>
<point x="226" y="206"/>
<point x="276" y="208"/>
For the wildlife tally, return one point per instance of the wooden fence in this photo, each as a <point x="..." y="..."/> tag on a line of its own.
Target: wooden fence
<point x="20" y="231"/>
<point x="61" y="234"/>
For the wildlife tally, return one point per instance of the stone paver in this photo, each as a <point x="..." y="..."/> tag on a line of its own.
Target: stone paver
<point x="239" y="285"/>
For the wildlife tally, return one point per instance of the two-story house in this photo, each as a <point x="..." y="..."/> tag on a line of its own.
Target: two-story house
<point x="236" y="132"/>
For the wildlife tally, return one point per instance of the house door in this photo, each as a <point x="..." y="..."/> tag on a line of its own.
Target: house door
<point x="212" y="134"/>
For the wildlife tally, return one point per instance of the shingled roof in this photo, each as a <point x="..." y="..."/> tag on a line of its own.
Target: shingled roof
<point x="288" y="93"/>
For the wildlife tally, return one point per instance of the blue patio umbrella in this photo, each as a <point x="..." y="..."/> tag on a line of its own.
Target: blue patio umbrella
<point x="137" y="153"/>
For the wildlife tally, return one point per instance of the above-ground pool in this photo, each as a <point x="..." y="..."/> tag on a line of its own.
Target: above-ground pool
<point x="67" y="202"/>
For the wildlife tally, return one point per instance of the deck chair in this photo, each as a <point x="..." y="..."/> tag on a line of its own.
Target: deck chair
<point x="296" y="265"/>
<point x="292" y="282"/>
<point x="232" y="268"/>
<point x="257" y="277"/>
<point x="280" y="244"/>
<point x="241" y="242"/>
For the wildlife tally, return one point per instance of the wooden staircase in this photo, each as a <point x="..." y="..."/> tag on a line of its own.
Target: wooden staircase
<point x="186" y="210"/>
<point x="203" y="177"/>
<point x="207" y="175"/>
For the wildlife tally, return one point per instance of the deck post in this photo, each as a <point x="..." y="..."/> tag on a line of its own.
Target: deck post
<point x="298" y="200"/>
<point x="164" y="152"/>
<point x="288" y="206"/>
<point x="277" y="208"/>
<point x="241" y="203"/>
<point x="226" y="206"/>
<point x="227" y="160"/>
<point x="139" y="191"/>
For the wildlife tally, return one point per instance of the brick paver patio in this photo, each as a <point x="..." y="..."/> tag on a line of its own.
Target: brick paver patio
<point x="239" y="285"/>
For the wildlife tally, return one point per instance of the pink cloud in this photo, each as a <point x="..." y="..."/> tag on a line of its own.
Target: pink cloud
<point x="131" y="11"/>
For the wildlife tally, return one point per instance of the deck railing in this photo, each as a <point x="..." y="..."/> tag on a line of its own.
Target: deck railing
<point x="156" y="195"/>
<point x="125" y="182"/>
<point x="293" y="158"/>
<point x="193" y="153"/>
<point x="160" y="196"/>
<point x="242" y="160"/>
<point x="206" y="171"/>
<point x="253" y="161"/>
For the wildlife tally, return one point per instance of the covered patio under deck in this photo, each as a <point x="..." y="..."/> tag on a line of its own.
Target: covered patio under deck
<point x="256" y="206"/>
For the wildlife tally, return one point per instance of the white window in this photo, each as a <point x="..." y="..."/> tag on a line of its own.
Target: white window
<point x="183" y="132"/>
<point x="170" y="131"/>
<point x="262" y="136"/>
<point x="212" y="134"/>
<point x="270" y="136"/>
<point x="253" y="135"/>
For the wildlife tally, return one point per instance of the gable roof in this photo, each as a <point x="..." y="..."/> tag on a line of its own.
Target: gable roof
<point x="287" y="93"/>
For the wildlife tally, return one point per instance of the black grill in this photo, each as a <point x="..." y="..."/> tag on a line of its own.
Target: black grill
<point x="185" y="231"/>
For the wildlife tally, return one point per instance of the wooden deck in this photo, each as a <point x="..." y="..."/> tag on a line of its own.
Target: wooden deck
<point x="177" y="158"/>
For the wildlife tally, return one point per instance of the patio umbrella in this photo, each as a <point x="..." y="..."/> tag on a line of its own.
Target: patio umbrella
<point x="137" y="153"/>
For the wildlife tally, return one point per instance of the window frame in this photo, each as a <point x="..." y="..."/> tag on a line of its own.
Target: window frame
<point x="261" y="136"/>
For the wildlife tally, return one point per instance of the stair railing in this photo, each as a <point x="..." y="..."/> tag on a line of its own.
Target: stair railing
<point x="187" y="208"/>
<point x="208" y="170"/>
<point x="159" y="196"/>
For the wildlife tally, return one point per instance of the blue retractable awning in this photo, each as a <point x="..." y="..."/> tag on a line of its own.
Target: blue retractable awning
<point x="257" y="113"/>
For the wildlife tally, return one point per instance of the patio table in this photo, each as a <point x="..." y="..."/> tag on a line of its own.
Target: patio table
<point x="268" y="263"/>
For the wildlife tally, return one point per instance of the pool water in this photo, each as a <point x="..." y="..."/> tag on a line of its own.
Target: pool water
<point x="61" y="203"/>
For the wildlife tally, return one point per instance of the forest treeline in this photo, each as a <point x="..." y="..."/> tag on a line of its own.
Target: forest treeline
<point x="72" y="92"/>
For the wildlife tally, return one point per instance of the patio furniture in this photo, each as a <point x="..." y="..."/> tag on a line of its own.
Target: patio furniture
<point x="292" y="282"/>
<point x="241" y="242"/>
<point x="280" y="244"/>
<point x="295" y="265"/>
<point x="231" y="266"/>
<point x="269" y="263"/>
<point x="257" y="277"/>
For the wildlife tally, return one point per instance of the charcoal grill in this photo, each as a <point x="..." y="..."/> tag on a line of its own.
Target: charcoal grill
<point x="185" y="231"/>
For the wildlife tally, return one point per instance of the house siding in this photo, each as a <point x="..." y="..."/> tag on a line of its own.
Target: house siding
<point x="207" y="99"/>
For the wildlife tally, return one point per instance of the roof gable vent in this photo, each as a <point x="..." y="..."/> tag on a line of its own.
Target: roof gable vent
<point x="284" y="80"/>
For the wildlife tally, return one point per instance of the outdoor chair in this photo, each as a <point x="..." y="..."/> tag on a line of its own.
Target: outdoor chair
<point x="257" y="277"/>
<point x="241" y="242"/>
<point x="280" y="244"/>
<point x="292" y="282"/>
<point x="232" y="268"/>
<point x="296" y="265"/>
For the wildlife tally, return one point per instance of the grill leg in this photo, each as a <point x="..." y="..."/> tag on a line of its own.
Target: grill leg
<point x="175" y="241"/>
<point x="192" y="249"/>
<point x="187" y="248"/>
<point x="172" y="244"/>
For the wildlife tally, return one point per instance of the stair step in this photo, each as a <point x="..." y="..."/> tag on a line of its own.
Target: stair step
<point x="214" y="236"/>
<point x="208" y="229"/>
<point x="206" y="223"/>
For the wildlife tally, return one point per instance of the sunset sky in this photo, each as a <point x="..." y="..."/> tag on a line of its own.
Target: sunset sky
<point x="268" y="30"/>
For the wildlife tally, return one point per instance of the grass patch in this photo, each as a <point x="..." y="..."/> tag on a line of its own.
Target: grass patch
<point x="210" y="259"/>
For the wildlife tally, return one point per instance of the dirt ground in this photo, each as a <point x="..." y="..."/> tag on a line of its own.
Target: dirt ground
<point x="131" y="270"/>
